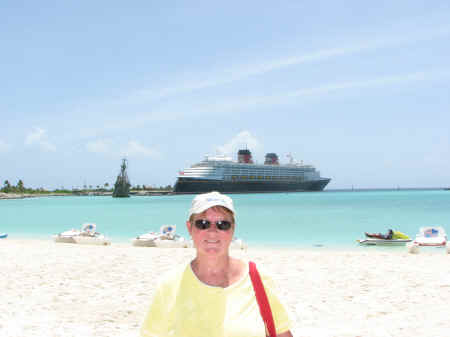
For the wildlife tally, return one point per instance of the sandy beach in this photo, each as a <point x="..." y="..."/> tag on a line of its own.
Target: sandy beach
<point x="30" y="195"/>
<point x="55" y="289"/>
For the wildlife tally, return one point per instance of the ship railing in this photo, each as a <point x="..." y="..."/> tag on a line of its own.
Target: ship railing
<point x="266" y="178"/>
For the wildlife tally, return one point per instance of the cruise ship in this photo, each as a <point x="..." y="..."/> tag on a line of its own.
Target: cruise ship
<point x="221" y="173"/>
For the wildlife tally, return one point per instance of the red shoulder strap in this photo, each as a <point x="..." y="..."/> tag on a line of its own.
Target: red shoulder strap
<point x="261" y="298"/>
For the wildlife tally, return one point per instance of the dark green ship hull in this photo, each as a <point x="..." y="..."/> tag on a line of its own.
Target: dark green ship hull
<point x="196" y="185"/>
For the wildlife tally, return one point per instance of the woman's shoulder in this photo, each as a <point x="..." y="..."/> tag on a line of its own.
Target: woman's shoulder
<point x="173" y="275"/>
<point x="265" y="273"/>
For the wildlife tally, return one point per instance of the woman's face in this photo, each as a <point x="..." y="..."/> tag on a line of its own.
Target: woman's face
<point x="211" y="241"/>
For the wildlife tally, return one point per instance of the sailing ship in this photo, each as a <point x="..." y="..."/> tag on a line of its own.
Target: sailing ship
<point x="122" y="185"/>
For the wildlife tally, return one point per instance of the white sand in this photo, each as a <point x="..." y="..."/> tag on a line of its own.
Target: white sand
<point x="54" y="289"/>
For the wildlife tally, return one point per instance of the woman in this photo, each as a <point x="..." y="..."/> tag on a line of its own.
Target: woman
<point x="212" y="295"/>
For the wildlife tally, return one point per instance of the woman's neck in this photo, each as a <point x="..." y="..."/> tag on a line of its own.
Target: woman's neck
<point x="220" y="271"/>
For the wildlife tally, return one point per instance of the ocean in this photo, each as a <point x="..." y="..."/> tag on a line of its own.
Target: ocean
<point x="333" y="219"/>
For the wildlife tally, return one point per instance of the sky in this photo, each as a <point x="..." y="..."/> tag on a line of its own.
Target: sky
<point x="359" y="89"/>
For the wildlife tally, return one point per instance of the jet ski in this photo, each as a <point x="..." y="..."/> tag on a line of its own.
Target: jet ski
<point x="383" y="242"/>
<point x="391" y="238"/>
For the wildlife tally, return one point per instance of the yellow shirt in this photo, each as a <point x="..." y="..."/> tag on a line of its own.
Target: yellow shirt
<point x="184" y="306"/>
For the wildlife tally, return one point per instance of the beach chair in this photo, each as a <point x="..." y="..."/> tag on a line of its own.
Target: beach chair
<point x="431" y="236"/>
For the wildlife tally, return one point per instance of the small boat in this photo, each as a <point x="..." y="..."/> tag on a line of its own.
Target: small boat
<point x="383" y="242"/>
<point x="166" y="238"/>
<point x="391" y="238"/>
<point x="92" y="239"/>
<point x="145" y="240"/>
<point x="175" y="241"/>
<point x="67" y="236"/>
<point x="87" y="235"/>
<point x="431" y="236"/>
<point x="3" y="235"/>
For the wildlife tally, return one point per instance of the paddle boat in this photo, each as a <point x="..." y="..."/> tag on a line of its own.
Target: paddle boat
<point x="67" y="236"/>
<point x="431" y="236"/>
<point x="166" y="238"/>
<point x="87" y="236"/>
<point x="3" y="235"/>
<point x="145" y="240"/>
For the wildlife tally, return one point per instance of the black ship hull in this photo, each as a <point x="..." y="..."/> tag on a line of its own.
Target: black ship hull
<point x="196" y="185"/>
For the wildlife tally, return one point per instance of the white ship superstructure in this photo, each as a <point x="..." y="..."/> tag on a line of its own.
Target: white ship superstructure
<point x="222" y="174"/>
<point x="223" y="168"/>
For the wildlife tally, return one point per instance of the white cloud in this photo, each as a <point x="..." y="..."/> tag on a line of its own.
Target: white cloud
<point x="403" y="36"/>
<point x="99" y="146"/>
<point x="238" y="104"/>
<point x="4" y="147"/>
<point x="320" y="91"/>
<point x="243" y="139"/>
<point x="39" y="138"/>
<point x="134" y="148"/>
<point x="131" y="149"/>
<point x="374" y="82"/>
<point x="137" y="102"/>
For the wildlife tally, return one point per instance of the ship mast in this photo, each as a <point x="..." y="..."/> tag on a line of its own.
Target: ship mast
<point x="291" y="159"/>
<point x="122" y="185"/>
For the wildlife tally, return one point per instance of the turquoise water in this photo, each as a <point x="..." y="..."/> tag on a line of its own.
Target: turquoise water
<point x="316" y="219"/>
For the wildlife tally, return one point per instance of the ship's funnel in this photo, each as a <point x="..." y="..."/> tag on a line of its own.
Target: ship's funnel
<point x="271" y="159"/>
<point x="245" y="156"/>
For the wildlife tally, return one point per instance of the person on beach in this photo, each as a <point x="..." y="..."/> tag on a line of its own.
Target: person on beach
<point x="387" y="236"/>
<point x="212" y="295"/>
<point x="390" y="235"/>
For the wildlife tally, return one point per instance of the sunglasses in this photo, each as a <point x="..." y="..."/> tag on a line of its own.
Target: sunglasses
<point x="203" y="224"/>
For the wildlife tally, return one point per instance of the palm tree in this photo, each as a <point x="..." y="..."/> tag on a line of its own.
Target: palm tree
<point x="20" y="186"/>
<point x="6" y="186"/>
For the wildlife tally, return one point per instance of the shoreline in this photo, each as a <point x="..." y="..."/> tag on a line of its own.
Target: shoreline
<point x="9" y="196"/>
<point x="81" y="290"/>
<point x="127" y="242"/>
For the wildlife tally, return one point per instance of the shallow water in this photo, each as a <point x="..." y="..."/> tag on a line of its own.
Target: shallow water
<point x="317" y="219"/>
